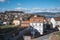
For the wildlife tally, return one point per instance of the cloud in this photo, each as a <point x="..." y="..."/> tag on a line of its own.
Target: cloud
<point x="32" y="10"/>
<point x="20" y="8"/>
<point x="19" y="4"/>
<point x="57" y="9"/>
<point x="2" y="0"/>
<point x="2" y="9"/>
<point x="39" y="10"/>
<point x="27" y="10"/>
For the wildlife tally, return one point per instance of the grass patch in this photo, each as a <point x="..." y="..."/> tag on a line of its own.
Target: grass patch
<point x="58" y="33"/>
<point x="55" y="36"/>
<point x="7" y="26"/>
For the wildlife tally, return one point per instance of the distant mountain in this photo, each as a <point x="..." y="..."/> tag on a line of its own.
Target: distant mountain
<point x="14" y="12"/>
<point x="48" y="14"/>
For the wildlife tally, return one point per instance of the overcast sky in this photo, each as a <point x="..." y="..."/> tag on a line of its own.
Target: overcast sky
<point x="30" y="5"/>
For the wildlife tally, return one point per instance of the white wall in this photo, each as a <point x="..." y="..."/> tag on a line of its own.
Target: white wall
<point x="58" y="23"/>
<point x="53" y="22"/>
<point x="38" y="27"/>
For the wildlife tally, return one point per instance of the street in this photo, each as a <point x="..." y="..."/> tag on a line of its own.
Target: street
<point x="45" y="37"/>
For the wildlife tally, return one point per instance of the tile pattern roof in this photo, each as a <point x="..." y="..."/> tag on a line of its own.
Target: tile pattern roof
<point x="57" y="18"/>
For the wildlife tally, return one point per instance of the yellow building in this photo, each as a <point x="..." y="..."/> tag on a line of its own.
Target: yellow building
<point x="16" y="22"/>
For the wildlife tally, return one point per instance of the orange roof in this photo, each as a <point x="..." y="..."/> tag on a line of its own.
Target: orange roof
<point x="25" y="21"/>
<point x="57" y="18"/>
<point x="36" y="17"/>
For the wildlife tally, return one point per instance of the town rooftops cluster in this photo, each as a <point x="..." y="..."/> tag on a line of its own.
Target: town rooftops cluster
<point x="23" y="19"/>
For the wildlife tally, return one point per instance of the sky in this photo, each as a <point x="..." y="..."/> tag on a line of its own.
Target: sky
<point x="30" y="5"/>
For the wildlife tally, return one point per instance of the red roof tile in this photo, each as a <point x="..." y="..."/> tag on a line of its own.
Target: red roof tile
<point x="57" y="18"/>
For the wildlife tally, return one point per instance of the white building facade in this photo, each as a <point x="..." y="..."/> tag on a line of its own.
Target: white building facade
<point x="38" y="27"/>
<point x="53" y="22"/>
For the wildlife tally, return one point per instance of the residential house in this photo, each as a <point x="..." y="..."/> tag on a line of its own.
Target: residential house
<point x="25" y="20"/>
<point x="36" y="22"/>
<point x="16" y="22"/>
<point x="51" y="23"/>
<point x="37" y="18"/>
<point x="57" y="19"/>
<point x="25" y="23"/>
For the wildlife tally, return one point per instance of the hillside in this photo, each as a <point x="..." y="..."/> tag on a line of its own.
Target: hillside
<point x="48" y="14"/>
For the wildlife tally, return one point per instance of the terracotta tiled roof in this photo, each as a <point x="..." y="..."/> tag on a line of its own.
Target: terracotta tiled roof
<point x="36" y="19"/>
<point x="57" y="18"/>
<point x="25" y="22"/>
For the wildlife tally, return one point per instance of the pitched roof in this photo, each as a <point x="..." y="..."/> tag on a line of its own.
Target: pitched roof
<point x="57" y="18"/>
